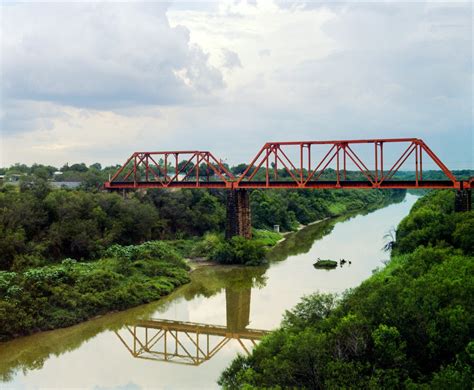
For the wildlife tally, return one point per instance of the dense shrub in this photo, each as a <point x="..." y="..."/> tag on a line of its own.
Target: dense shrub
<point x="64" y="294"/>
<point x="433" y="222"/>
<point x="204" y="247"/>
<point x="408" y="326"/>
<point x="239" y="250"/>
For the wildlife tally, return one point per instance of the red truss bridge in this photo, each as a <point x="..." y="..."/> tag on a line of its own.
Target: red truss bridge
<point x="342" y="164"/>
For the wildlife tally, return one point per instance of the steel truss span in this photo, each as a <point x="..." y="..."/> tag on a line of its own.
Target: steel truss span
<point x="181" y="342"/>
<point x="299" y="165"/>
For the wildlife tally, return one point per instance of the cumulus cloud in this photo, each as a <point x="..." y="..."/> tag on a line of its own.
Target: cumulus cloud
<point x="347" y="69"/>
<point x="129" y="76"/>
<point x="23" y="116"/>
<point x="64" y="63"/>
<point x="397" y="68"/>
<point x="101" y="55"/>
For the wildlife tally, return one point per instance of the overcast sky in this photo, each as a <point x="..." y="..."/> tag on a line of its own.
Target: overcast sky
<point x="87" y="82"/>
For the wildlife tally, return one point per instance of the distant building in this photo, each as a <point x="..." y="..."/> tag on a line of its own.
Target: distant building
<point x="66" y="184"/>
<point x="15" y="177"/>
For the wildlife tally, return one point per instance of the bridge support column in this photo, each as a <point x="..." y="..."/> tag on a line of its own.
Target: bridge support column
<point x="239" y="222"/>
<point x="463" y="200"/>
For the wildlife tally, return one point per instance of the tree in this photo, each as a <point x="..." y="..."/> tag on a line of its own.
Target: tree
<point x="78" y="167"/>
<point x="96" y="166"/>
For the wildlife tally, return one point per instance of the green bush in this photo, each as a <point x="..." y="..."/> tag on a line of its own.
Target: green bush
<point x="266" y="237"/>
<point x="239" y="250"/>
<point x="64" y="294"/>
<point x="410" y="325"/>
<point x="205" y="246"/>
<point x="433" y="222"/>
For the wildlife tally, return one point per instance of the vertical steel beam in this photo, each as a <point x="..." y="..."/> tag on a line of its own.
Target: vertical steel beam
<point x="198" y="160"/>
<point x="267" y="179"/>
<point x="135" y="171"/>
<point x="376" y="162"/>
<point x="301" y="164"/>
<point x="309" y="158"/>
<point x="344" y="159"/>
<point x="275" y="164"/>
<point x="146" y="167"/>
<point x="417" y="148"/>
<point x="381" y="159"/>
<point x="421" y="163"/>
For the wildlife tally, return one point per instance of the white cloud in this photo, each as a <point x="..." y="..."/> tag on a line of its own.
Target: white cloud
<point x="84" y="135"/>
<point x="347" y="70"/>
<point x="138" y="76"/>
<point x="101" y="55"/>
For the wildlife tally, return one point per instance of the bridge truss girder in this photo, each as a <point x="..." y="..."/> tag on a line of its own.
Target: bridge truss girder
<point x="302" y="165"/>
<point x="183" y="342"/>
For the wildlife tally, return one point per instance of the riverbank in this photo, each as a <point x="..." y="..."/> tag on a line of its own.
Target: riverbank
<point x="60" y="295"/>
<point x="213" y="247"/>
<point x="65" y="294"/>
<point x="92" y="349"/>
<point x="410" y="324"/>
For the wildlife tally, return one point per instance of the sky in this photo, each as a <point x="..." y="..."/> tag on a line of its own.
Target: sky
<point x="93" y="82"/>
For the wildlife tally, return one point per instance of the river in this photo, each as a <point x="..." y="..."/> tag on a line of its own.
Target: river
<point x="185" y="340"/>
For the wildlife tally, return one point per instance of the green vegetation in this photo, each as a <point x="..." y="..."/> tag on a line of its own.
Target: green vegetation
<point x="408" y="326"/>
<point x="26" y="354"/>
<point x="238" y="250"/>
<point x="235" y="251"/>
<point x="291" y="208"/>
<point x="64" y="294"/>
<point x="433" y="222"/>
<point x="325" y="264"/>
<point x="40" y="226"/>
<point x="266" y="237"/>
<point x="67" y="255"/>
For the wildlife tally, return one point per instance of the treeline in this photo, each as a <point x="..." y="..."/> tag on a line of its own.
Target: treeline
<point x="290" y="208"/>
<point x="40" y="226"/>
<point x="408" y="326"/>
<point x="93" y="176"/>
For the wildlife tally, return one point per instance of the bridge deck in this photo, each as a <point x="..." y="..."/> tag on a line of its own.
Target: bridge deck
<point x="343" y="184"/>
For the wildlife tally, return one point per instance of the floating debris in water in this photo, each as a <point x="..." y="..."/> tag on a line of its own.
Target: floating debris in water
<point x="325" y="263"/>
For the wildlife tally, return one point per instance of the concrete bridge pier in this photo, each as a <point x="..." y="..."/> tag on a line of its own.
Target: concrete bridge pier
<point x="463" y="200"/>
<point x="239" y="222"/>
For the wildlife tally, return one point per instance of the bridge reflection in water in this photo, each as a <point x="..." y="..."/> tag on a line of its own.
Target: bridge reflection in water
<point x="192" y="343"/>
